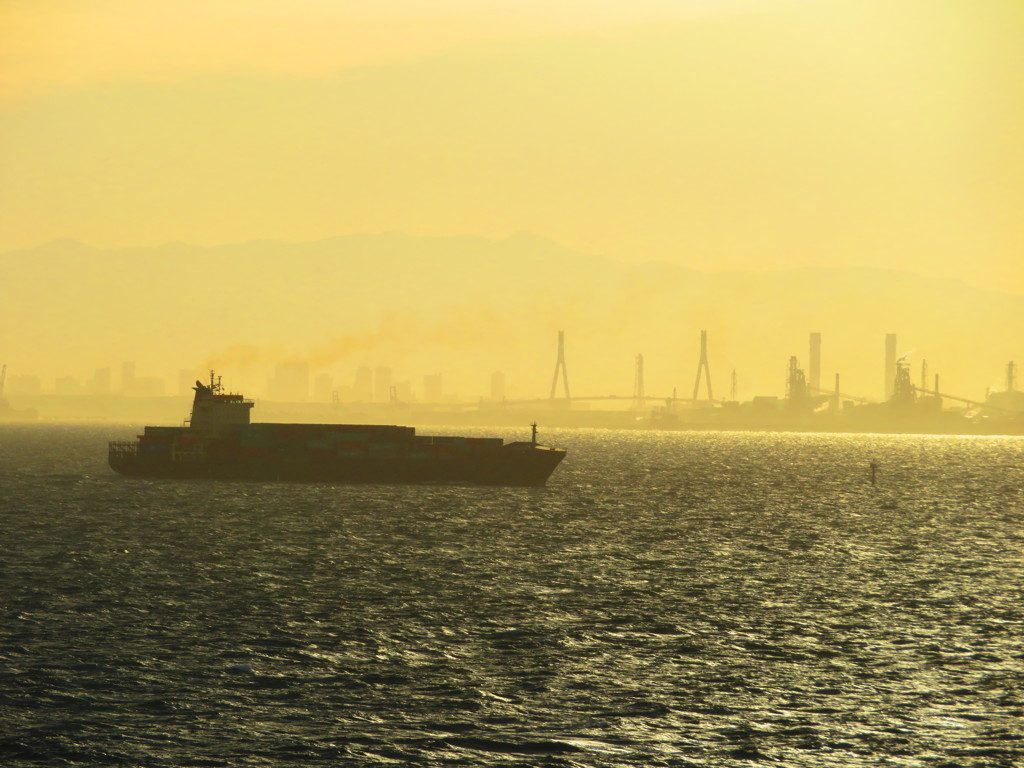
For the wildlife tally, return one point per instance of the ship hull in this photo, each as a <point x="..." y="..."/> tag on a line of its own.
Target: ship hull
<point x="508" y="465"/>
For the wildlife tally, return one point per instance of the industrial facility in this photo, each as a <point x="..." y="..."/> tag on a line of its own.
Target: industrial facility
<point x="907" y="407"/>
<point x="909" y="403"/>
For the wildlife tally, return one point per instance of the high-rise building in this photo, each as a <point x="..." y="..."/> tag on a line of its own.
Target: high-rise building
<point x="127" y="377"/>
<point x="146" y="386"/>
<point x="403" y="391"/>
<point x="432" y="388"/>
<point x="323" y="385"/>
<point x="382" y="384"/>
<point x="139" y="386"/>
<point x="290" y="383"/>
<point x="99" y="384"/>
<point x="362" y="390"/>
<point x="68" y="385"/>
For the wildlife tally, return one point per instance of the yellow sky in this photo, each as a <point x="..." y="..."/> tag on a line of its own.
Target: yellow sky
<point x="722" y="134"/>
<point x="50" y="43"/>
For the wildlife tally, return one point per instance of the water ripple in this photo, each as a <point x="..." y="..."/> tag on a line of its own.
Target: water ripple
<point x="669" y="599"/>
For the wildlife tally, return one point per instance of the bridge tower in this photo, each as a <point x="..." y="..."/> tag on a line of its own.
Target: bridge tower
<point x="702" y="366"/>
<point x="638" y="385"/>
<point x="560" y="368"/>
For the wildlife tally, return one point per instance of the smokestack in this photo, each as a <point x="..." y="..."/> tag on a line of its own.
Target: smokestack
<point x="638" y="385"/>
<point x="890" y="365"/>
<point x="815" y="360"/>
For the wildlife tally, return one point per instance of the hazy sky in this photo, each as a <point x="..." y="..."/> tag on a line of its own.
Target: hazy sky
<point x="715" y="133"/>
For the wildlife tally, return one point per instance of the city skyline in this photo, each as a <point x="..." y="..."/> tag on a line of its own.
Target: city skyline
<point x="298" y="382"/>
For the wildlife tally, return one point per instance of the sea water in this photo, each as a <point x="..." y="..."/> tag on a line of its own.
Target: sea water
<point x="669" y="599"/>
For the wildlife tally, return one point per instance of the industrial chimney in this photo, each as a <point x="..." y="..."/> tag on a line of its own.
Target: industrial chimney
<point x="815" y="360"/>
<point x="890" y="365"/>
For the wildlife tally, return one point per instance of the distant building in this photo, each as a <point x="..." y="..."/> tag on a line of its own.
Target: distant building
<point x="25" y="384"/>
<point x="186" y="381"/>
<point x="403" y="391"/>
<point x="99" y="384"/>
<point x="1010" y="399"/>
<point x="433" y="390"/>
<point x="139" y="386"/>
<point x="382" y="384"/>
<point x="127" y="377"/>
<point x="147" y="386"/>
<point x="323" y="385"/>
<point x="290" y="383"/>
<point x="68" y="385"/>
<point x="362" y="391"/>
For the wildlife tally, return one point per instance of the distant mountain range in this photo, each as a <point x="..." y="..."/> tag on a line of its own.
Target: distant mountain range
<point x="466" y="306"/>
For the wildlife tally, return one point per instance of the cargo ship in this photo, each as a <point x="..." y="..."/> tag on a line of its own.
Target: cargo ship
<point x="219" y="442"/>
